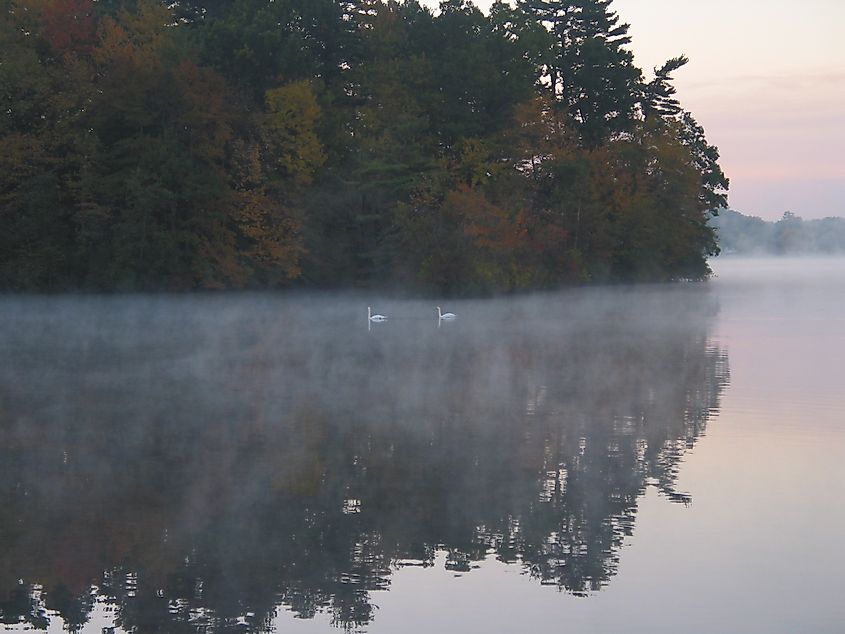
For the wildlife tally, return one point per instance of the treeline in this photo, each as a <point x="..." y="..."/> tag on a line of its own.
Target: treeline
<point x="741" y="234"/>
<point x="255" y="143"/>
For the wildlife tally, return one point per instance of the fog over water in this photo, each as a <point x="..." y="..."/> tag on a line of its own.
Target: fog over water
<point x="657" y="458"/>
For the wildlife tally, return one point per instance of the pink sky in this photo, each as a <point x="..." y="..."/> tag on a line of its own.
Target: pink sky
<point x="766" y="79"/>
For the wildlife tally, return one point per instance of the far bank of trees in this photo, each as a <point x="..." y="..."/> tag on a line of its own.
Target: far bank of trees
<point x="250" y="143"/>
<point x="791" y="235"/>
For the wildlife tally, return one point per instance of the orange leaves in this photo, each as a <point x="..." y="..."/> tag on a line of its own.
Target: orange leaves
<point x="136" y="39"/>
<point x="509" y="247"/>
<point x="488" y="226"/>
<point x="69" y="26"/>
<point x="270" y="235"/>
<point x="519" y="232"/>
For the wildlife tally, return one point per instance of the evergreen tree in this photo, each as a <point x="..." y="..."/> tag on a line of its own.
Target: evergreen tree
<point x="659" y="94"/>
<point x="590" y="72"/>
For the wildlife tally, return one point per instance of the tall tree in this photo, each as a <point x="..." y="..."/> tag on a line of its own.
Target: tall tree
<point x="659" y="94"/>
<point x="590" y="72"/>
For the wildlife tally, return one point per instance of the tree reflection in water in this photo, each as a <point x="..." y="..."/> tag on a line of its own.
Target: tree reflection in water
<point x="204" y="462"/>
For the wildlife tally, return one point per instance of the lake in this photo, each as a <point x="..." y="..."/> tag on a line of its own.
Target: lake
<point x="641" y="459"/>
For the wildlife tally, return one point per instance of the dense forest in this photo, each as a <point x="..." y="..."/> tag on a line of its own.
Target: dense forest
<point x="791" y="235"/>
<point x="259" y="143"/>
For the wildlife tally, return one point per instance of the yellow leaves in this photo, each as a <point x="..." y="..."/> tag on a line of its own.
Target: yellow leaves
<point x="291" y="123"/>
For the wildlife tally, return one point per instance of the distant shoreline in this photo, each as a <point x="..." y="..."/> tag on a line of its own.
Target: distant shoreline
<point x="738" y="234"/>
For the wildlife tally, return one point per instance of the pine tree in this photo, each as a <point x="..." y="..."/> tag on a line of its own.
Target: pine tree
<point x="590" y="73"/>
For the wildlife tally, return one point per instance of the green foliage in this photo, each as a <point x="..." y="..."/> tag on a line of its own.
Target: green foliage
<point x="659" y="94"/>
<point x="257" y="43"/>
<point x="589" y="71"/>
<point x="251" y="143"/>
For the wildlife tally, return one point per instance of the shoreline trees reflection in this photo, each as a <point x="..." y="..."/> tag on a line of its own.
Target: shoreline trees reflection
<point x="206" y="462"/>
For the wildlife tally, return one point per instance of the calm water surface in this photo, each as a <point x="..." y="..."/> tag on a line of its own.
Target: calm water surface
<point x="659" y="459"/>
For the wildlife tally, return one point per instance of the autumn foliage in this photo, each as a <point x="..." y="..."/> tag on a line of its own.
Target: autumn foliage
<point x="152" y="145"/>
<point x="69" y="26"/>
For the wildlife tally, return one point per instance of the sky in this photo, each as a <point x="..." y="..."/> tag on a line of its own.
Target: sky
<point x="766" y="79"/>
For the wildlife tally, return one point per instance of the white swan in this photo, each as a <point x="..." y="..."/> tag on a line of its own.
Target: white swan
<point x="372" y="317"/>
<point x="446" y="316"/>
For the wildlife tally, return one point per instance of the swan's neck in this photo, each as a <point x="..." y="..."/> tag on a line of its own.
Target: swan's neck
<point x="439" y="314"/>
<point x="369" y="312"/>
